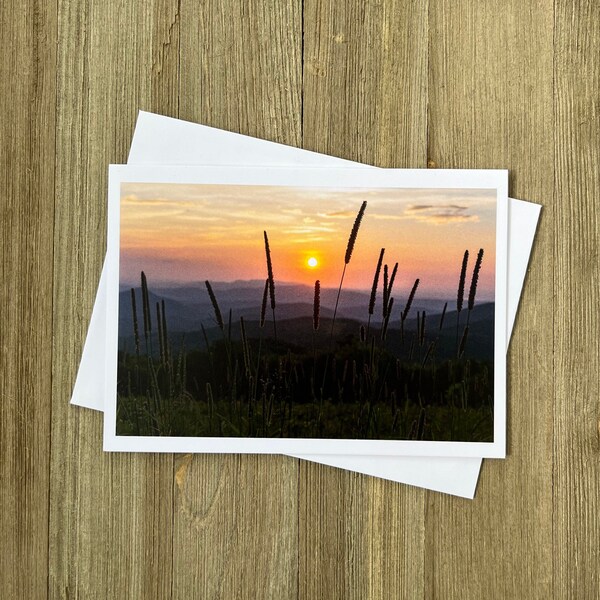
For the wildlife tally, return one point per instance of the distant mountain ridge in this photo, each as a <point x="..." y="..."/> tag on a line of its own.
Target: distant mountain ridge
<point x="189" y="306"/>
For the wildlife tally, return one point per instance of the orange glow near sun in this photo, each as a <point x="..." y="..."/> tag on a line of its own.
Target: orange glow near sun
<point x="312" y="262"/>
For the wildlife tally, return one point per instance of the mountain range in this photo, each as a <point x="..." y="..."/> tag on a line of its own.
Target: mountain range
<point x="188" y="308"/>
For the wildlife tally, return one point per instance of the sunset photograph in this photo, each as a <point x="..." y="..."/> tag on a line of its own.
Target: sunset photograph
<point x="305" y="312"/>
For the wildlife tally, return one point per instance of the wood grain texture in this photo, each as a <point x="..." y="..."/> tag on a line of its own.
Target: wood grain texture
<point x="236" y="517"/>
<point x="27" y="130"/>
<point x="110" y="515"/>
<point x="405" y="84"/>
<point x="576" y="230"/>
<point x="365" y="89"/>
<point x="492" y="108"/>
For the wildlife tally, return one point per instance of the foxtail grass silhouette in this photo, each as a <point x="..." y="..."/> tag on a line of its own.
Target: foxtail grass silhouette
<point x="347" y="257"/>
<point x="316" y="305"/>
<point x="385" y="290"/>
<point x="390" y="287"/>
<point x="474" y="280"/>
<point x="461" y="291"/>
<point x="215" y="305"/>
<point x="354" y="232"/>
<point x="411" y="297"/>
<point x="316" y="316"/>
<point x="374" y="292"/>
<point x="471" y="303"/>
<point x="271" y="280"/>
<point x="146" y="307"/>
<point x="406" y="310"/>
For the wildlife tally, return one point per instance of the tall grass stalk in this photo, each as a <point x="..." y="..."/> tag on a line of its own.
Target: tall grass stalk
<point x="387" y="308"/>
<point x="442" y="317"/>
<point x="245" y="348"/>
<point x="374" y="292"/>
<point x="136" y="336"/>
<point x="271" y="280"/>
<point x="215" y="305"/>
<point x="461" y="291"/>
<point x="432" y="346"/>
<point x="471" y="302"/>
<point x="136" y="333"/>
<point x="385" y="290"/>
<point x="463" y="342"/>
<point x="165" y="333"/>
<point x="221" y="324"/>
<point x="316" y="305"/>
<point x="406" y="310"/>
<point x="146" y="313"/>
<point x="316" y="320"/>
<point x="386" y="321"/>
<point x="263" y="307"/>
<point x="161" y="347"/>
<point x="347" y="257"/>
<point x="474" y="280"/>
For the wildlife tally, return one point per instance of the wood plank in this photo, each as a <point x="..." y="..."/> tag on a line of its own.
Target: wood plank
<point x="365" y="98"/>
<point x="490" y="92"/>
<point x="235" y="521"/>
<point x="110" y="515"/>
<point x="235" y="527"/>
<point x="576" y="235"/>
<point x="241" y="67"/>
<point x="27" y="97"/>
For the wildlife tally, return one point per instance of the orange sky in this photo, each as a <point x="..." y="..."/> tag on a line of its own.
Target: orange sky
<point x="189" y="233"/>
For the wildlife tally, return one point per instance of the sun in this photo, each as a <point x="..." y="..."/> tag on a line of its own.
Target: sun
<point x="312" y="262"/>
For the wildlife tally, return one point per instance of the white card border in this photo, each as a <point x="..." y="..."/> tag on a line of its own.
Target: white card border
<point x="318" y="177"/>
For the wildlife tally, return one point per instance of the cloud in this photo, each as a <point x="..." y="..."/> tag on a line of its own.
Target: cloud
<point x="440" y="214"/>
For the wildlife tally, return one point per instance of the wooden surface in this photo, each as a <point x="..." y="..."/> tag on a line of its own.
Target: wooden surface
<point x="438" y="83"/>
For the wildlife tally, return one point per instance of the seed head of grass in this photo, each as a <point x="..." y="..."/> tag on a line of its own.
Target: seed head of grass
<point x="385" y="290"/>
<point x="461" y="282"/>
<point x="390" y="287"/>
<point x="215" y="305"/>
<point x="375" y="283"/>
<point x="411" y="297"/>
<point x="475" y="279"/>
<point x="354" y="232"/>
<point x="270" y="271"/>
<point x="317" y="305"/>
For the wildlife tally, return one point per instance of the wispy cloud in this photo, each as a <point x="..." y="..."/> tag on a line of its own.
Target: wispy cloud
<point x="440" y="214"/>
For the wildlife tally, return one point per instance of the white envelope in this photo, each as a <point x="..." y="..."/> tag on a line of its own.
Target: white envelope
<point x="162" y="140"/>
